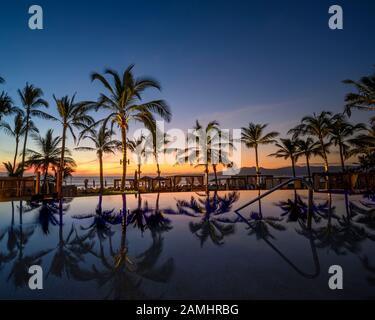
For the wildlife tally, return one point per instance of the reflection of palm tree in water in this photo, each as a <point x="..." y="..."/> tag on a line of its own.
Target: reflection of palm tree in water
<point x="48" y="212"/>
<point x="19" y="271"/>
<point x="157" y="222"/>
<point x="345" y="235"/>
<point x="144" y="217"/>
<point x="69" y="252"/>
<point x="102" y="220"/>
<point x="370" y="268"/>
<point x="11" y="242"/>
<point x="259" y="226"/>
<point x="297" y="209"/>
<point x="364" y="215"/>
<point x="212" y="225"/>
<point x="123" y="274"/>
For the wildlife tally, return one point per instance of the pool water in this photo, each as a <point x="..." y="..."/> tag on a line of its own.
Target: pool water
<point x="189" y="246"/>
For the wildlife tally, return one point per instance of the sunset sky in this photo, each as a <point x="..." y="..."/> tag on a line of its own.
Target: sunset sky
<point x="232" y="61"/>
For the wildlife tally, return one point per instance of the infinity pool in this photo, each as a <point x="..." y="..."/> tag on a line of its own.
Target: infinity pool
<point x="189" y="246"/>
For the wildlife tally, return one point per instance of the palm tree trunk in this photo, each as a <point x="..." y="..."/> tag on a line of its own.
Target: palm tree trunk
<point x="325" y="159"/>
<point x="101" y="172"/>
<point x="157" y="171"/>
<point x="257" y="169"/>
<point x="293" y="168"/>
<point x="15" y="155"/>
<point x="206" y="173"/>
<point x="308" y="167"/>
<point x="342" y="158"/>
<point x="215" y="172"/>
<point x="25" y="141"/>
<point x="256" y="160"/>
<point x="124" y="149"/>
<point x="44" y="187"/>
<point x="158" y="168"/>
<point x="62" y="164"/>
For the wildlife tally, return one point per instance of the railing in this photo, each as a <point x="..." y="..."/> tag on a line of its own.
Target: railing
<point x="308" y="184"/>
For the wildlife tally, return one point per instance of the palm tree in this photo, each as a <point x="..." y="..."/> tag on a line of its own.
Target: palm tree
<point x="125" y="105"/>
<point x="12" y="170"/>
<point x="364" y="98"/>
<point x="340" y="131"/>
<point x="48" y="154"/>
<point x="158" y="140"/>
<point x="2" y="80"/>
<point x="253" y="136"/>
<point x="31" y="98"/>
<point x="72" y="115"/>
<point x="317" y="125"/>
<point x="103" y="144"/>
<point x="202" y="143"/>
<point x="308" y="148"/>
<point x="288" y="150"/>
<point x="136" y="146"/>
<point x="18" y="130"/>
<point x="6" y="105"/>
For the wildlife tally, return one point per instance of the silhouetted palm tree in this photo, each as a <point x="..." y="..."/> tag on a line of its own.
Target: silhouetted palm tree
<point x="48" y="154"/>
<point x="137" y="147"/>
<point x="317" y="125"/>
<point x="31" y="98"/>
<point x="17" y="131"/>
<point x="340" y="131"/>
<point x="12" y="171"/>
<point x="124" y="103"/>
<point x="288" y="149"/>
<point x="308" y="148"/>
<point x="364" y="146"/>
<point x="203" y="142"/>
<point x="364" y="98"/>
<point x="103" y="144"/>
<point x="71" y="115"/>
<point x="253" y="136"/>
<point x="6" y="105"/>
<point x="159" y="141"/>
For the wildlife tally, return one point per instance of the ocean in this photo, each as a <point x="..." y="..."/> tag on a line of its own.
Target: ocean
<point x="79" y="181"/>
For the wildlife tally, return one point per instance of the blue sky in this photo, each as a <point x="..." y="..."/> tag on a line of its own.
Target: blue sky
<point x="235" y="61"/>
